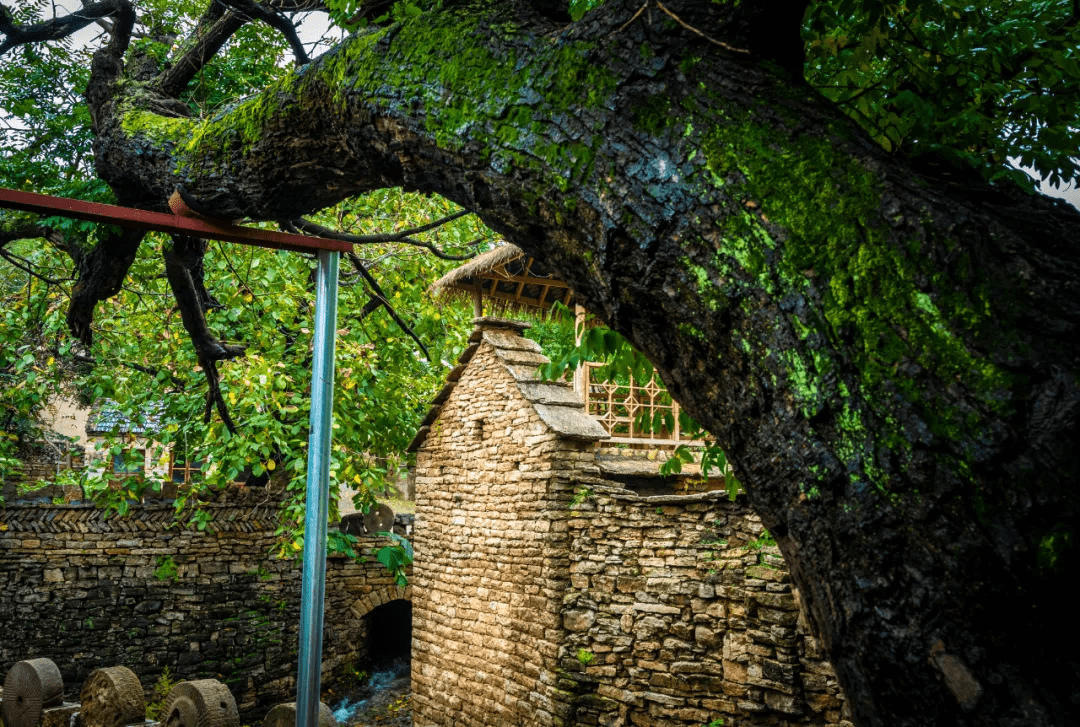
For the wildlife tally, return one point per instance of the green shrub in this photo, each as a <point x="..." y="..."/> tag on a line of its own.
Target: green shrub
<point x="162" y="687"/>
<point x="166" y="569"/>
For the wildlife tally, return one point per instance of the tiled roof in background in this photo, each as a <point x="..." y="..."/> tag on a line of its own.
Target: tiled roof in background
<point x="106" y="418"/>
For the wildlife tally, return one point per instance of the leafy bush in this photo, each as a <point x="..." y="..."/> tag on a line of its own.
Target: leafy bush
<point x="396" y="557"/>
<point x="166" y="569"/>
<point x="162" y="687"/>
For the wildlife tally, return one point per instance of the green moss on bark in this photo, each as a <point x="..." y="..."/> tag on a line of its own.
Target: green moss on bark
<point x="440" y="68"/>
<point x="871" y="288"/>
<point x="467" y="93"/>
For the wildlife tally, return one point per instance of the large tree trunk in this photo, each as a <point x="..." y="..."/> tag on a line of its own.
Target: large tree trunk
<point x="890" y="361"/>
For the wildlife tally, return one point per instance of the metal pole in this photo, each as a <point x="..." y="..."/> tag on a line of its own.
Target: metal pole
<point x="313" y="588"/>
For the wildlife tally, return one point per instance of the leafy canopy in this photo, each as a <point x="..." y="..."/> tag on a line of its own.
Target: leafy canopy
<point x="141" y="356"/>
<point x="977" y="83"/>
<point x="980" y="85"/>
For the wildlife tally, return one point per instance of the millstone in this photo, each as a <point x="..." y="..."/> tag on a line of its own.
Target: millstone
<point x="112" y="697"/>
<point x="201" y="703"/>
<point x="30" y="687"/>
<point x="353" y="524"/>
<point x="284" y="715"/>
<point x="379" y="519"/>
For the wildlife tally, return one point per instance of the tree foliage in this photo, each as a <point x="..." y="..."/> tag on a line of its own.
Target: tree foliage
<point x="141" y="356"/>
<point x="983" y="85"/>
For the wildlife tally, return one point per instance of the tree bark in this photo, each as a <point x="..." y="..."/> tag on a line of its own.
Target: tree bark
<point x="890" y="361"/>
<point x="101" y="274"/>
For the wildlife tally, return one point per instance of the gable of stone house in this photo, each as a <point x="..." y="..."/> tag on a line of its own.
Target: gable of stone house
<point x="663" y="611"/>
<point x="494" y="475"/>
<point x="502" y="378"/>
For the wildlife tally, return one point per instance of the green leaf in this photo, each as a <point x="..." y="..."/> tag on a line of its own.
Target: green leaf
<point x="672" y="466"/>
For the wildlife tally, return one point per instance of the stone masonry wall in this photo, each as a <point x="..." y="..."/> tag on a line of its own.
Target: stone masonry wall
<point x="142" y="592"/>
<point x="679" y="613"/>
<point x="493" y="483"/>
<point x="549" y="592"/>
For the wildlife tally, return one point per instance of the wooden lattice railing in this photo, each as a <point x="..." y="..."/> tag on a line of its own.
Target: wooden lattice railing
<point x="620" y="408"/>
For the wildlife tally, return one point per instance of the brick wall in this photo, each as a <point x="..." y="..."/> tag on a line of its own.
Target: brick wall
<point x="89" y="591"/>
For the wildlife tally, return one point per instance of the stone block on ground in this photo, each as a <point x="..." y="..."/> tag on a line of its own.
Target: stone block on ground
<point x="284" y="715"/>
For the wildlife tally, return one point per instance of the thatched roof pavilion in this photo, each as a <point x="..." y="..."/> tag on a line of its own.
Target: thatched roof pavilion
<point x="508" y="278"/>
<point x="514" y="283"/>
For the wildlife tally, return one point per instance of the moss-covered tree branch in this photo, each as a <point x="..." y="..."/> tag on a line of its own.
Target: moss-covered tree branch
<point x="889" y="360"/>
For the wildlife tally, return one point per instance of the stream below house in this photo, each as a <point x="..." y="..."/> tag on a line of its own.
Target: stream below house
<point x="381" y="701"/>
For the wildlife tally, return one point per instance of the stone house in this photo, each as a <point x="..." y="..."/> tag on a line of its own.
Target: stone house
<point x="561" y="582"/>
<point x="103" y="440"/>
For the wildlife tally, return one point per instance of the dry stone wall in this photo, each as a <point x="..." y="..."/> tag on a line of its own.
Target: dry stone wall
<point x="88" y="590"/>
<point x="680" y="612"/>
<point x="551" y="590"/>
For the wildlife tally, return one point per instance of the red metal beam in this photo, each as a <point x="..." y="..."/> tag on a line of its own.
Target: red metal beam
<point x="160" y="222"/>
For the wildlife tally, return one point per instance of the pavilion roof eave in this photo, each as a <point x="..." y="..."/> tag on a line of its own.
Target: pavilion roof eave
<point x="507" y="278"/>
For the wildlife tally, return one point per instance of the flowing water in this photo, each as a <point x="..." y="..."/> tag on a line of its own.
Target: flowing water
<point x="382" y="701"/>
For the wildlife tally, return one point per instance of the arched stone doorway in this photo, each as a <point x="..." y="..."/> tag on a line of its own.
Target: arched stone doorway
<point x="386" y="615"/>
<point x="389" y="633"/>
<point x="379" y="674"/>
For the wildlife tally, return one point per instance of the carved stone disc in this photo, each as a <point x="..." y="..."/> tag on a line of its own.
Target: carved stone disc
<point x="284" y="715"/>
<point x="379" y="519"/>
<point x="29" y="687"/>
<point x="201" y="703"/>
<point x="112" y="697"/>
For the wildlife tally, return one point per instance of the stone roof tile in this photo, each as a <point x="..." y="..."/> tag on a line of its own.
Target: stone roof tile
<point x="443" y="394"/>
<point x="555" y="402"/>
<point x="522" y="373"/>
<point x="509" y="340"/>
<point x="571" y="422"/>
<point x="418" y="440"/>
<point x="514" y="356"/>
<point x="468" y="353"/>
<point x="550" y="392"/>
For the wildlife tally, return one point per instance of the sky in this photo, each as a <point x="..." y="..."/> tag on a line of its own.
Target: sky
<point x="1070" y="193"/>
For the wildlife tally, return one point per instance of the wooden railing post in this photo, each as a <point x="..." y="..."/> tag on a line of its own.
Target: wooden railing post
<point x="581" y="375"/>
